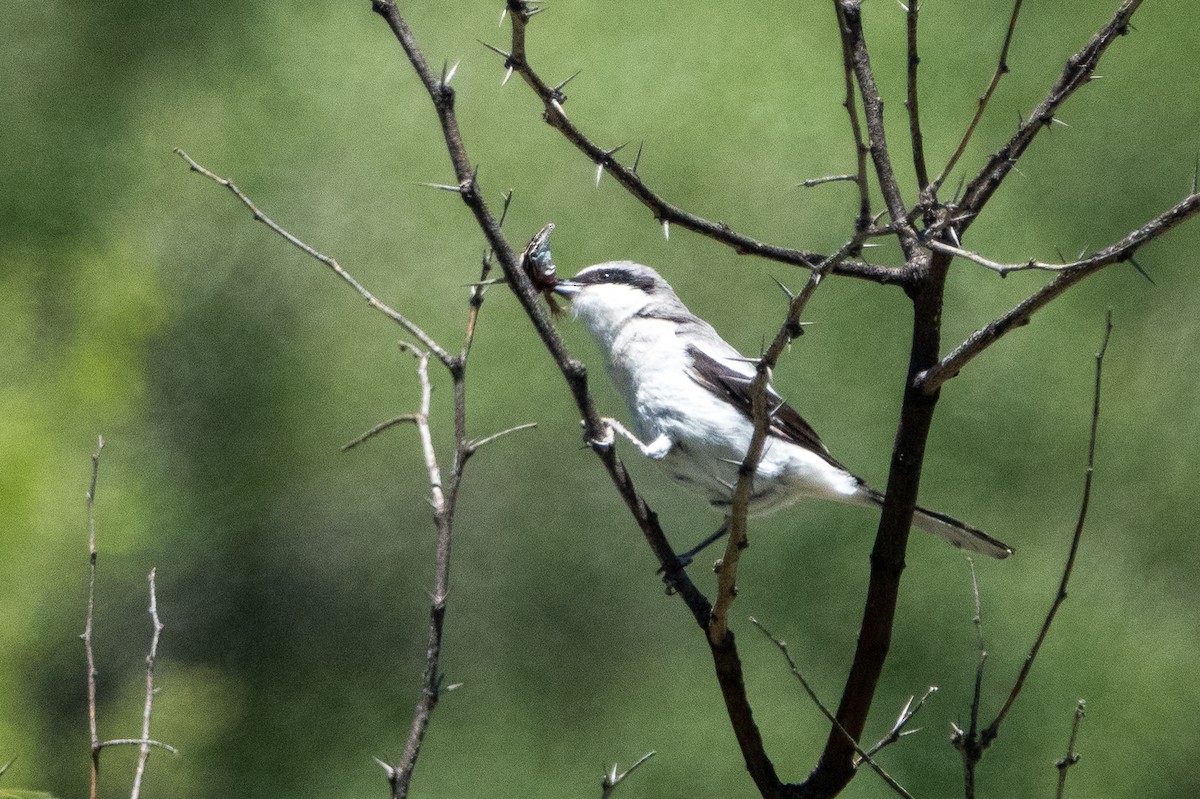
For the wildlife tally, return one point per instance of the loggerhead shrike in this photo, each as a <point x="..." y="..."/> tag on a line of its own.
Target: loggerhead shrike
<point x="688" y="391"/>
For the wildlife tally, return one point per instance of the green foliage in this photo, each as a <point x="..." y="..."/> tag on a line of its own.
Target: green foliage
<point x="225" y="370"/>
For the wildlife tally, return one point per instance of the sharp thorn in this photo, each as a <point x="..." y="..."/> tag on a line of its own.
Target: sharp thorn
<point x="504" y="209"/>
<point x="1083" y="252"/>
<point x="958" y="191"/>
<point x="954" y="235"/>
<point x="449" y="76"/>
<point x="903" y="6"/>
<point x="442" y="187"/>
<point x="533" y="12"/>
<point x="503" y="16"/>
<point x="1196" y="174"/>
<point x="568" y="80"/>
<point x="615" y="150"/>
<point x="507" y="74"/>
<point x="558" y="107"/>
<point x="666" y="230"/>
<point x="790" y="294"/>
<point x="1141" y="271"/>
<point x="638" y="159"/>
<point x="495" y="49"/>
<point x="599" y="172"/>
<point x="1058" y="121"/>
<point x="869" y="246"/>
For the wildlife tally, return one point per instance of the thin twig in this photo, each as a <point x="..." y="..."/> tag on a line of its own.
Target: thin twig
<point x="88" y="644"/>
<point x="473" y="446"/>
<point x="400" y="775"/>
<point x="1060" y="596"/>
<point x="137" y="742"/>
<point x="612" y="779"/>
<point x="157" y="627"/>
<point x="1001" y="71"/>
<point x="949" y="366"/>
<point x="967" y="742"/>
<point x="914" y="113"/>
<point x="404" y="418"/>
<point x="808" y="689"/>
<point x="332" y="263"/>
<point x="1072" y="757"/>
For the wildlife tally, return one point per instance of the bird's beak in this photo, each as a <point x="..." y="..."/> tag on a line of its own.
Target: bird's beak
<point x="566" y="288"/>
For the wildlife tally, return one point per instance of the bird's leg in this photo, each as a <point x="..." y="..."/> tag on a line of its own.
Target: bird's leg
<point x="685" y="558"/>
<point x="655" y="450"/>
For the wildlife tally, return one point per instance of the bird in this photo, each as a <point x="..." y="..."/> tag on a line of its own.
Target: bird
<point x="689" y="397"/>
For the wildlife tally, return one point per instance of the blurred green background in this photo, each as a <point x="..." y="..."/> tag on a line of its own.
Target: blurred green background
<point x="225" y="370"/>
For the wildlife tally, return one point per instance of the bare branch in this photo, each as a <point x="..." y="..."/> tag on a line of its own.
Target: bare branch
<point x="854" y="42"/>
<point x="1001" y="71"/>
<point x="137" y="742"/>
<point x="914" y="113"/>
<point x="147" y="709"/>
<point x="811" y="182"/>
<point x="1077" y="72"/>
<point x="1060" y="596"/>
<point x="401" y="775"/>
<point x="1072" y="757"/>
<point x="1123" y="250"/>
<point x="371" y="299"/>
<point x="88" y="647"/>
<point x="863" y="221"/>
<point x="405" y="418"/>
<point x="863" y="755"/>
<point x="473" y="446"/>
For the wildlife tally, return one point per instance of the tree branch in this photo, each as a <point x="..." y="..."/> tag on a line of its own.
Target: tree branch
<point x="914" y="113"/>
<point x="148" y="707"/>
<point x="425" y="339"/>
<point x="1001" y="71"/>
<point x="1077" y="72"/>
<point x="554" y="114"/>
<point x="1117" y="252"/>
<point x="88" y="648"/>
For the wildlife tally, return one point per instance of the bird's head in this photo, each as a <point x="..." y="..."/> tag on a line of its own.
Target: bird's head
<point x="607" y="295"/>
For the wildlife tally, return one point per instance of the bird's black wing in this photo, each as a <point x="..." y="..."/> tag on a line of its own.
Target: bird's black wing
<point x="734" y="387"/>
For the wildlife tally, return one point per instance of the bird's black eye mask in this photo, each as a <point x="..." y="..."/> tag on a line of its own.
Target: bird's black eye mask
<point x="616" y="276"/>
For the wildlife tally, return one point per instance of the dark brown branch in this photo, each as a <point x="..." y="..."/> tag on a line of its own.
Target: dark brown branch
<point x="553" y="100"/>
<point x="860" y="147"/>
<point x="88" y="645"/>
<point x="1077" y="72"/>
<point x="1001" y="71"/>
<point x="148" y="707"/>
<point x="1117" y="252"/>
<point x="849" y="13"/>
<point x="914" y="113"/>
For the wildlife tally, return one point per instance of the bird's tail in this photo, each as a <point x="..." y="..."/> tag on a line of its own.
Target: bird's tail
<point x="954" y="532"/>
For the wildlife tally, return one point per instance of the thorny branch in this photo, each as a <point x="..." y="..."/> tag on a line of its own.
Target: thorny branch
<point x="553" y="100"/>
<point x="929" y="190"/>
<point x="930" y="380"/>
